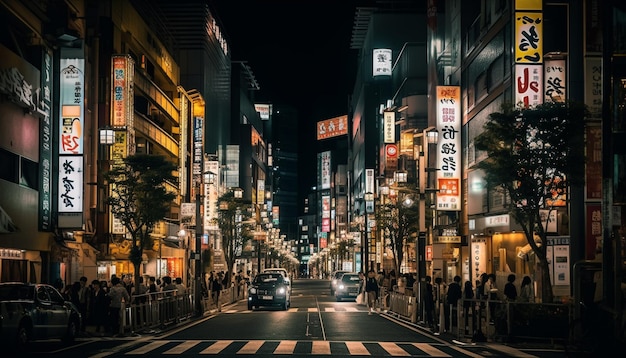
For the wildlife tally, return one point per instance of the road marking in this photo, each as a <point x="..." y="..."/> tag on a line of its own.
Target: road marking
<point x="286" y="347"/>
<point x="329" y="309"/>
<point x="430" y="350"/>
<point x="394" y="349"/>
<point x="312" y="309"/>
<point x="251" y="347"/>
<point x="216" y="347"/>
<point x="357" y="348"/>
<point x="293" y="309"/>
<point x="352" y="309"/>
<point x="181" y="348"/>
<point x="510" y="351"/>
<point x="320" y="347"/>
<point x="148" y="347"/>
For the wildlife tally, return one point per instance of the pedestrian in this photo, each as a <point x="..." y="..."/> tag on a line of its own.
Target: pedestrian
<point x="119" y="296"/>
<point x="526" y="290"/>
<point x="152" y="287"/>
<point x="510" y="291"/>
<point x="99" y="306"/>
<point x="216" y="289"/>
<point x="180" y="287"/>
<point x="140" y="291"/>
<point x="468" y="295"/>
<point x="491" y="292"/>
<point x="453" y="296"/>
<point x="169" y="288"/>
<point x="83" y="302"/>
<point x="371" y="288"/>
<point x="429" y="302"/>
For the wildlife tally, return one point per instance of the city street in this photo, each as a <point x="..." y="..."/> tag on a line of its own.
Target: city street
<point x="314" y="325"/>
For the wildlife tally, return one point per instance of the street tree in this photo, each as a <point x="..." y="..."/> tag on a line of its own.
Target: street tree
<point x="140" y="198"/>
<point x="532" y="156"/>
<point x="236" y="226"/>
<point x="399" y="222"/>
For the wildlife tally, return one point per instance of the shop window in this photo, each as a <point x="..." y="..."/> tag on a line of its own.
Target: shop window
<point x="29" y="174"/>
<point x="9" y="168"/>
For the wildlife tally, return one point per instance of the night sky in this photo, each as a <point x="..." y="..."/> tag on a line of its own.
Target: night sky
<point x="299" y="51"/>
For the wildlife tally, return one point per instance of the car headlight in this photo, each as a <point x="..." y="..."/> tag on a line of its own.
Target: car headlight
<point x="281" y="291"/>
<point x="253" y="290"/>
<point x="341" y="287"/>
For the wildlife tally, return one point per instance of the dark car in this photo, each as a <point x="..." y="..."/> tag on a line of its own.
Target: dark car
<point x="31" y="312"/>
<point x="269" y="289"/>
<point x="348" y="286"/>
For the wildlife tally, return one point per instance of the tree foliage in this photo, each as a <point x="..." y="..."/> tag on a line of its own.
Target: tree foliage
<point x="399" y="222"/>
<point x="236" y="226"/>
<point x="140" y="198"/>
<point x="533" y="155"/>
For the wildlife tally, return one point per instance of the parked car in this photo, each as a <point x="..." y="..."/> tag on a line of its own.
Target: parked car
<point x="334" y="279"/>
<point x="348" y="286"/>
<point x="269" y="289"/>
<point x="32" y="312"/>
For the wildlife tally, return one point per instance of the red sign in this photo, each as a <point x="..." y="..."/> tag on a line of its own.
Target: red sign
<point x="391" y="150"/>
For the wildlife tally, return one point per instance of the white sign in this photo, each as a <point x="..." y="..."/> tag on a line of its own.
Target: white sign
<point x="382" y="62"/>
<point x="389" y="127"/>
<point x="70" y="197"/>
<point x="449" y="119"/>
<point x="528" y="85"/>
<point x="555" y="80"/>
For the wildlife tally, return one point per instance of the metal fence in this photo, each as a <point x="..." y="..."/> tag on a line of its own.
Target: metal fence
<point x="162" y="309"/>
<point x="477" y="319"/>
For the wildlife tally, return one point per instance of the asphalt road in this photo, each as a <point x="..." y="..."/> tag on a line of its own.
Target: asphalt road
<point x="315" y="324"/>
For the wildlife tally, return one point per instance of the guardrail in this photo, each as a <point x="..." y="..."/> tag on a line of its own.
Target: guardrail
<point x="162" y="309"/>
<point x="485" y="319"/>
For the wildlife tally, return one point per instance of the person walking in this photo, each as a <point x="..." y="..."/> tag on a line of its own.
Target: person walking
<point x="453" y="296"/>
<point x="83" y="303"/>
<point x="371" y="290"/>
<point x="429" y="302"/>
<point x="468" y="295"/>
<point x="510" y="291"/>
<point x="216" y="289"/>
<point x="118" y="295"/>
<point x="99" y="306"/>
<point x="526" y="290"/>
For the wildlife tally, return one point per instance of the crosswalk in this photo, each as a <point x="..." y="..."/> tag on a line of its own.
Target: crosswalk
<point x="289" y="347"/>
<point x="305" y="309"/>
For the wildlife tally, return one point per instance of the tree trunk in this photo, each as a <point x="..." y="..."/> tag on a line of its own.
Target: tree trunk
<point x="547" y="295"/>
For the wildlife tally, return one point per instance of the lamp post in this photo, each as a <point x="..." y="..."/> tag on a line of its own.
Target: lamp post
<point x="430" y="137"/>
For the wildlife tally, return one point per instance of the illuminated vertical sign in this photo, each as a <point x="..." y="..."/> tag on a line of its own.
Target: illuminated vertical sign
<point x="382" y="62"/>
<point x="71" y="135"/>
<point x="326" y="213"/>
<point x="260" y="191"/>
<point x="449" y="148"/>
<point x="45" y="143"/>
<point x="119" y="151"/>
<point x="555" y="80"/>
<point x="369" y="180"/>
<point x="324" y="168"/>
<point x="71" y="106"/>
<point x="121" y="90"/>
<point x="70" y="184"/>
<point x="528" y="53"/>
<point x="389" y="127"/>
<point x="211" y="195"/>
<point x="478" y="257"/>
<point x="198" y="131"/>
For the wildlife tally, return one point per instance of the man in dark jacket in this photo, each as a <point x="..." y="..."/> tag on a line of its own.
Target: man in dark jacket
<point x="454" y="294"/>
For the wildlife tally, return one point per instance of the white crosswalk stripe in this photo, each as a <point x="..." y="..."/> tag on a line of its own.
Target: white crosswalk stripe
<point x="287" y="347"/>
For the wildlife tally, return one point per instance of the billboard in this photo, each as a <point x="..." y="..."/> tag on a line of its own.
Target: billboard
<point x="121" y="90"/>
<point x="333" y="127"/>
<point x="381" y="59"/>
<point x="449" y="148"/>
<point x="323" y="170"/>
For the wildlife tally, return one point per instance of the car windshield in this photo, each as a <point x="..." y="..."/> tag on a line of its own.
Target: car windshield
<point x="339" y="274"/>
<point x="350" y="278"/>
<point x="268" y="277"/>
<point x="16" y="292"/>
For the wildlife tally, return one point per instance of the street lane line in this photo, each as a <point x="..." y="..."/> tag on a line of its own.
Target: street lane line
<point x="430" y="350"/>
<point x="321" y="347"/>
<point x="352" y="309"/>
<point x="329" y="309"/>
<point x="394" y="349"/>
<point x="357" y="348"/>
<point x="293" y="309"/>
<point x="148" y="347"/>
<point x="251" y="347"/>
<point x="216" y="347"/>
<point x="510" y="351"/>
<point x="313" y="309"/>
<point x="181" y="348"/>
<point x="286" y="347"/>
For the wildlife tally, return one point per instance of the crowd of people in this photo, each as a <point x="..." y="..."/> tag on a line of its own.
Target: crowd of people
<point x="100" y="301"/>
<point x="440" y="297"/>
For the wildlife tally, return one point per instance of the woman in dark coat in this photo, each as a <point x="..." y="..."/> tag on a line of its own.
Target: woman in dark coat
<point x="99" y="305"/>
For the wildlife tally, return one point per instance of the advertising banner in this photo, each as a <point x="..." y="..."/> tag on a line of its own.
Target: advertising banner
<point x="449" y="148"/>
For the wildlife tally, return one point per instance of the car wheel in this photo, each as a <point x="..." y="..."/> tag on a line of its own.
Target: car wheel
<point x="338" y="298"/>
<point x="285" y="305"/>
<point x="72" y="331"/>
<point x="23" y="335"/>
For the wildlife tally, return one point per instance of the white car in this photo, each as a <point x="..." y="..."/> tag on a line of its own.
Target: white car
<point x="282" y="271"/>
